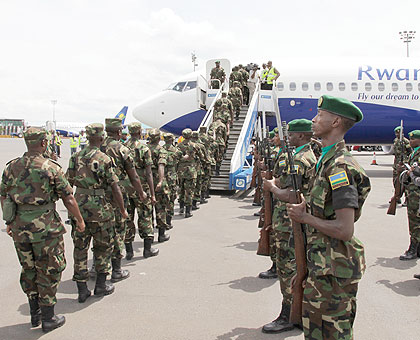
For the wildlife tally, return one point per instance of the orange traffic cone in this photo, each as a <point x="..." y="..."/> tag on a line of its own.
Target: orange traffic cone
<point x="374" y="160"/>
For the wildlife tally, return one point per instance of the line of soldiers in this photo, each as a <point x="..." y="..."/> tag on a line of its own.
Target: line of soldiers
<point x="334" y="188"/>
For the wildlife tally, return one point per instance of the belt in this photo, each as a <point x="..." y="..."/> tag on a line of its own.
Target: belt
<point x="30" y="207"/>
<point x="93" y="192"/>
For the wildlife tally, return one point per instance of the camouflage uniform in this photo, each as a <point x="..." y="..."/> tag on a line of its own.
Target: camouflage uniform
<point x="171" y="174"/>
<point x="224" y="100"/>
<point x="219" y="130"/>
<point x="405" y="150"/>
<point x="413" y="202"/>
<point x="204" y="165"/>
<point x="35" y="183"/>
<point x="234" y="76"/>
<point x="217" y="73"/>
<point x="211" y="147"/>
<point x="235" y="95"/>
<point x="223" y="114"/>
<point x="334" y="267"/>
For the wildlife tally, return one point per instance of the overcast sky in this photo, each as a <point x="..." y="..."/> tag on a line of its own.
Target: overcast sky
<point x="95" y="56"/>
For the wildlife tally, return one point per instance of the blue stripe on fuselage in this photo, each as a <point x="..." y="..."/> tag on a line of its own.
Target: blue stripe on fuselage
<point x="190" y="120"/>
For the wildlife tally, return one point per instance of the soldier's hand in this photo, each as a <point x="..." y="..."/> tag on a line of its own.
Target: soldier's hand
<point x="297" y="212"/>
<point x="80" y="226"/>
<point x="268" y="185"/>
<point x="159" y="186"/>
<point x="9" y="230"/>
<point x="124" y="214"/>
<point x="142" y="196"/>
<point x="153" y="199"/>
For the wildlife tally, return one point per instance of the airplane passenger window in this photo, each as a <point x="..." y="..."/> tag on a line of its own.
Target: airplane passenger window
<point x="368" y="86"/>
<point x="280" y="86"/>
<point x="305" y="86"/>
<point x="409" y="87"/>
<point x="317" y="86"/>
<point x="381" y="86"/>
<point x="179" y="86"/>
<point x="354" y="86"/>
<point x="394" y="87"/>
<point x="191" y="85"/>
<point x="330" y="86"/>
<point x="341" y="86"/>
<point x="292" y="86"/>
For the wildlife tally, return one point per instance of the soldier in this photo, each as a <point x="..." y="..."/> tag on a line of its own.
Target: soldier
<point x="30" y="186"/>
<point x="91" y="172"/>
<point x="160" y="159"/>
<point x="143" y="162"/>
<point x="217" y="72"/>
<point x="171" y="175"/>
<point x="244" y="82"/>
<point x="207" y="142"/>
<point x="124" y="137"/>
<point x="220" y="132"/>
<point x="235" y="95"/>
<point x="335" y="258"/>
<point x="300" y="137"/>
<point x="127" y="175"/>
<point x="187" y="171"/>
<point x="224" y="100"/>
<point x="402" y="153"/>
<point x="413" y="197"/>
<point x="224" y="115"/>
<point x="204" y="163"/>
<point x="234" y="76"/>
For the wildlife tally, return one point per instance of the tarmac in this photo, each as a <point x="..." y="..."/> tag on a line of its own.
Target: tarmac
<point x="204" y="283"/>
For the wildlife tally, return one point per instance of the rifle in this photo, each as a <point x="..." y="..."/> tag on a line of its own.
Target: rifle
<point x="399" y="190"/>
<point x="298" y="237"/>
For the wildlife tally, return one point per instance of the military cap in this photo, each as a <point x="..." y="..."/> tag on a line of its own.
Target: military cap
<point x="273" y="132"/>
<point x="134" y="127"/>
<point x="154" y="133"/>
<point x="34" y="135"/>
<point x="398" y="128"/>
<point x="187" y="133"/>
<point x="95" y="129"/>
<point x="124" y="132"/>
<point x="236" y="82"/>
<point x="300" y="125"/>
<point x="113" y="124"/>
<point x="217" y="61"/>
<point x="168" y="135"/>
<point x="202" y="129"/>
<point x="341" y="107"/>
<point x="415" y="134"/>
<point x="194" y="134"/>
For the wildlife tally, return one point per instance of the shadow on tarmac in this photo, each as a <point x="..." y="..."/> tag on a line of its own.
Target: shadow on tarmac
<point x="250" y="284"/>
<point x="379" y="173"/>
<point x="242" y="333"/>
<point x="21" y="331"/>
<point x="406" y="288"/>
<point x="248" y="217"/>
<point x="248" y="207"/>
<point x="248" y="246"/>
<point x="394" y="262"/>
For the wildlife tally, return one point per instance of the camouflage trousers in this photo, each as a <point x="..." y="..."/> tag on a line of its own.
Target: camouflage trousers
<point x="205" y="184"/>
<point x="102" y="234"/>
<point x="197" y="188"/>
<point x="186" y="190"/>
<point x="120" y="228"/>
<point x="160" y="208"/>
<point x="171" y="196"/>
<point x="42" y="264"/>
<point x="329" y="307"/>
<point x="220" y="154"/>
<point x="144" y="221"/>
<point x="413" y="208"/>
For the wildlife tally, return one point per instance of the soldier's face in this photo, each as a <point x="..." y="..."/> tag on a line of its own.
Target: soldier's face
<point x="322" y="123"/>
<point x="294" y="138"/>
<point x="414" y="143"/>
<point x="276" y="140"/>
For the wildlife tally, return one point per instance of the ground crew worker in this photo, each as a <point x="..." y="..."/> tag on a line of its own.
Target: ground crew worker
<point x="263" y="77"/>
<point x="300" y="133"/>
<point x="35" y="225"/>
<point x="143" y="162"/>
<point x="58" y="142"/>
<point x="74" y="143"/>
<point x="218" y="73"/>
<point x="272" y="75"/>
<point x="335" y="258"/>
<point x="91" y="172"/>
<point x="82" y="140"/>
<point x="235" y="95"/>
<point x="171" y="175"/>
<point x="127" y="175"/>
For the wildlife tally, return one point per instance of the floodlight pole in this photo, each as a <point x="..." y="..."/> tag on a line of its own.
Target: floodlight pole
<point x="53" y="102"/>
<point x="194" y="58"/>
<point x="407" y="37"/>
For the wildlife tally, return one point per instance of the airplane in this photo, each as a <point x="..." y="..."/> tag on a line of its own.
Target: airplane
<point x="387" y="91"/>
<point x="68" y="129"/>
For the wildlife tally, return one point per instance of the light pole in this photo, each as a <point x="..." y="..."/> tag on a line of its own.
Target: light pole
<point x="194" y="58"/>
<point x="407" y="37"/>
<point x="53" y="102"/>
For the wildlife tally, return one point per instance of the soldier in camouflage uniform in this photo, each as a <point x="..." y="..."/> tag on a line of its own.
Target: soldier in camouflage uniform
<point x="223" y="114"/>
<point x="228" y="102"/>
<point x="91" y="172"/>
<point x="219" y="130"/>
<point x="217" y="72"/>
<point x="143" y="162"/>
<point x="211" y="147"/>
<point x="411" y="179"/>
<point x="335" y="258"/>
<point x="402" y="152"/>
<point x="234" y="76"/>
<point x="300" y="137"/>
<point x="30" y="186"/>
<point x="187" y="171"/>
<point x="235" y="95"/>
<point x="160" y="159"/>
<point x="171" y="175"/>
<point x="244" y="82"/>
<point x="127" y="175"/>
<point x="205" y="165"/>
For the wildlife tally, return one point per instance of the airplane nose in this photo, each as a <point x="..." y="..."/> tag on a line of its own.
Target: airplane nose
<point x="146" y="111"/>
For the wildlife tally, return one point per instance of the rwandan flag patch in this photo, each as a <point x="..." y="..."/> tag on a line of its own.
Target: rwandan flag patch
<point x="339" y="180"/>
<point x="282" y="163"/>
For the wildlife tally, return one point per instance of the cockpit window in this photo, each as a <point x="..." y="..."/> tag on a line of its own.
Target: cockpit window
<point x="179" y="86"/>
<point x="191" y="85"/>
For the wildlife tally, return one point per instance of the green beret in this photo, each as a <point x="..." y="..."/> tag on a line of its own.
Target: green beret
<point x="95" y="129"/>
<point x="217" y="61"/>
<point x="113" y="124"/>
<point x="154" y="133"/>
<point x="168" y="136"/>
<point x="341" y="107"/>
<point x="273" y="133"/>
<point x="202" y="129"/>
<point x="187" y="133"/>
<point x="415" y="134"/>
<point x="34" y="135"/>
<point x="134" y="127"/>
<point x="398" y="128"/>
<point x="300" y="125"/>
<point x="194" y="134"/>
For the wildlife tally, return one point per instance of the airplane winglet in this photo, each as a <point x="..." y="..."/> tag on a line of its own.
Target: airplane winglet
<point x="122" y="114"/>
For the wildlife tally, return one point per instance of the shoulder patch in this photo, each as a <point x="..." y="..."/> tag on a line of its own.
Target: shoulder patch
<point x="338" y="180"/>
<point x="296" y="168"/>
<point x="282" y="163"/>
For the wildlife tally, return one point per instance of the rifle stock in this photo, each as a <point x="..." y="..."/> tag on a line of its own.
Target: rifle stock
<point x="397" y="195"/>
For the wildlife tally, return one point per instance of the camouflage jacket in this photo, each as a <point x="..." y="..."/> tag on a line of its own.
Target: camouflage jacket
<point x="412" y="189"/>
<point x="244" y="76"/>
<point x="219" y="102"/>
<point x="211" y="146"/>
<point x="90" y="168"/>
<point x="340" y="182"/>
<point x="159" y="156"/>
<point x="399" y="149"/>
<point x="187" y="168"/>
<point x="234" y="76"/>
<point x="224" y="116"/>
<point x="235" y="95"/>
<point x="218" y="73"/>
<point x="219" y="130"/>
<point x="142" y="158"/>
<point x="35" y="180"/>
<point x="171" y="163"/>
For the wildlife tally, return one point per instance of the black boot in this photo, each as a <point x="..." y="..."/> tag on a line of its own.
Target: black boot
<point x="103" y="288"/>
<point x="207" y="194"/>
<point x="118" y="274"/>
<point x="194" y="206"/>
<point x="417" y="276"/>
<point x="129" y="252"/>
<point x="35" y="310"/>
<point x="411" y="253"/>
<point x="148" y="251"/>
<point x="181" y="208"/>
<point x="188" y="211"/>
<point x="203" y="198"/>
<point x="50" y="321"/>
<point x="84" y="292"/>
<point x="269" y="274"/>
<point x="281" y="324"/>
<point x="169" y="221"/>
<point x="217" y="173"/>
<point x="162" y="236"/>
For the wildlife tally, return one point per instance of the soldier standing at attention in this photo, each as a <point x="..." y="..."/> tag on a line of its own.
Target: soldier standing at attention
<point x="217" y="72"/>
<point x="143" y="162"/>
<point x="159" y="158"/>
<point x="30" y="186"/>
<point x="91" y="172"/>
<point x="335" y="258"/>
<point x="171" y="175"/>
<point x="401" y="151"/>
<point x="127" y="175"/>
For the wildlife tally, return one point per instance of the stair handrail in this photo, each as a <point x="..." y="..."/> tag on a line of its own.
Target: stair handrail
<point x="208" y="118"/>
